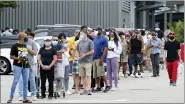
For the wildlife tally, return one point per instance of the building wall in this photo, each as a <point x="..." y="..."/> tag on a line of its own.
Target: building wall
<point x="91" y="13"/>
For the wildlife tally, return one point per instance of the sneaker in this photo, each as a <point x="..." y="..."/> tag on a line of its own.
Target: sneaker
<point x="131" y="75"/>
<point x="83" y="92"/>
<point x="68" y="93"/>
<point x="107" y="88"/>
<point x="20" y="98"/>
<point x="173" y="83"/>
<point x="89" y="92"/>
<point x="97" y="89"/>
<point x="34" y="98"/>
<point x="114" y="88"/>
<point x="136" y="76"/>
<point x="43" y="97"/>
<point x="50" y="97"/>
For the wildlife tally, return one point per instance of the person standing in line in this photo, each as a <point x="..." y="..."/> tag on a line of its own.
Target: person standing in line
<point x="155" y="53"/>
<point x="99" y="57"/>
<point x="47" y="58"/>
<point x="75" y="67"/>
<point x="86" y="50"/>
<point x="57" y="75"/>
<point x="32" y="51"/>
<point x="114" y="51"/>
<point x="19" y="53"/>
<point x="172" y="57"/>
<point x="124" y="54"/>
<point x="65" y="61"/>
<point x="136" y="52"/>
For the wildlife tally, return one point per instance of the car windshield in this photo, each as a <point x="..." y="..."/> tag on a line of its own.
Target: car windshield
<point x="41" y="34"/>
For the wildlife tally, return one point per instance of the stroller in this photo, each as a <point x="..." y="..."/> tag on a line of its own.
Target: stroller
<point x="56" y="90"/>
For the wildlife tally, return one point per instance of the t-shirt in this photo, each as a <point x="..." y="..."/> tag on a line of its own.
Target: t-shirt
<point x="71" y="48"/>
<point x="84" y="47"/>
<point x="100" y="42"/>
<point x="57" y="48"/>
<point x="32" y="46"/>
<point x="20" y="50"/>
<point x="172" y="50"/>
<point x="47" y="55"/>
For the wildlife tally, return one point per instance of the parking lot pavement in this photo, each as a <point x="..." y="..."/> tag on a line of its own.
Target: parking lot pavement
<point x="131" y="90"/>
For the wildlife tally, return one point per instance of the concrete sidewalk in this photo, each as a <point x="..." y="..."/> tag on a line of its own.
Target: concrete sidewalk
<point x="131" y="90"/>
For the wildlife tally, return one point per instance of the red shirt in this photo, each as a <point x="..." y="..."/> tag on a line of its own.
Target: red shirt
<point x="182" y="51"/>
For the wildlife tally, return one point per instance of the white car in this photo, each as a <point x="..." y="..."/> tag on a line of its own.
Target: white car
<point x="6" y="64"/>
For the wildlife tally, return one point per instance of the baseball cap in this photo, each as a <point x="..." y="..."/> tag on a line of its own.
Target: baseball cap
<point x="171" y="33"/>
<point x="99" y="28"/>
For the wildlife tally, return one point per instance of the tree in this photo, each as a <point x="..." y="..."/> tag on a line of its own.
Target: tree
<point x="6" y="4"/>
<point x="178" y="28"/>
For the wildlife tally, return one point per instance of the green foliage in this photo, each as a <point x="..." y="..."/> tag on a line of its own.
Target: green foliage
<point x="178" y="28"/>
<point x="6" y="4"/>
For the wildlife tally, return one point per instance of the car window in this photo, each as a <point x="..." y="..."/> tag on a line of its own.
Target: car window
<point x="40" y="42"/>
<point x="41" y="34"/>
<point x="67" y="32"/>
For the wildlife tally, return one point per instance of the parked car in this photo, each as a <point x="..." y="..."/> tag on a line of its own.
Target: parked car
<point x="6" y="64"/>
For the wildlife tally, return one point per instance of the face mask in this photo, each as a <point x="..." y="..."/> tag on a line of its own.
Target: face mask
<point x="81" y="37"/>
<point x="112" y="38"/>
<point x="107" y="33"/>
<point x="123" y="36"/>
<point x="54" y="43"/>
<point x="171" y="38"/>
<point x="65" y="45"/>
<point x="25" y="39"/>
<point x="47" y="44"/>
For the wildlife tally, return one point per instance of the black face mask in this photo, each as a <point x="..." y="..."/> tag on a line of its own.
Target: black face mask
<point x="25" y="39"/>
<point x="171" y="38"/>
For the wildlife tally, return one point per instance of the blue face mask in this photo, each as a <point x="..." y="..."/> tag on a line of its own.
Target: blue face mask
<point x="25" y="39"/>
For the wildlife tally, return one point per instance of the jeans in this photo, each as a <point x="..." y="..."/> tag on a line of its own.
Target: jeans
<point x="32" y="75"/>
<point x="130" y="65"/>
<point x="17" y="73"/>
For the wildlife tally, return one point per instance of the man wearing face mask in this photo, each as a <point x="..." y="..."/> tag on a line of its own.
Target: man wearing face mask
<point x="19" y="53"/>
<point x="32" y="51"/>
<point x="172" y="57"/>
<point x="156" y="45"/>
<point x="86" y="50"/>
<point x="99" y="57"/>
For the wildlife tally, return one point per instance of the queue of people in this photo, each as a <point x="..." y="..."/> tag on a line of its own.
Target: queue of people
<point x="95" y="61"/>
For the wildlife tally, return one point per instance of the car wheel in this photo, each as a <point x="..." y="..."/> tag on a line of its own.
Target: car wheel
<point x="5" y="66"/>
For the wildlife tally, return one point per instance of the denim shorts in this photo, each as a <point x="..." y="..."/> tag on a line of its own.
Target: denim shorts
<point x="137" y="59"/>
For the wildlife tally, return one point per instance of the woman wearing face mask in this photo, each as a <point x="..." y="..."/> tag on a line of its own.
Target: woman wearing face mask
<point x="114" y="51"/>
<point x="57" y="75"/>
<point x="124" y="54"/>
<point x="47" y="58"/>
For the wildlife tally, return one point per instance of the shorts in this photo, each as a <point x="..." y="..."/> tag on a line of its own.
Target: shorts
<point x="98" y="70"/>
<point x="75" y="67"/>
<point x="85" y="69"/>
<point x="137" y="59"/>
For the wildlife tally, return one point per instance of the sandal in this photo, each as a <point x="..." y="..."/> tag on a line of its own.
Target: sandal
<point x="26" y="101"/>
<point x="9" y="101"/>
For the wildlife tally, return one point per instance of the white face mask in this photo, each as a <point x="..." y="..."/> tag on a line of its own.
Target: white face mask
<point x="54" y="43"/>
<point x="123" y="36"/>
<point x="95" y="33"/>
<point x="149" y="36"/>
<point x="107" y="33"/>
<point x="82" y="36"/>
